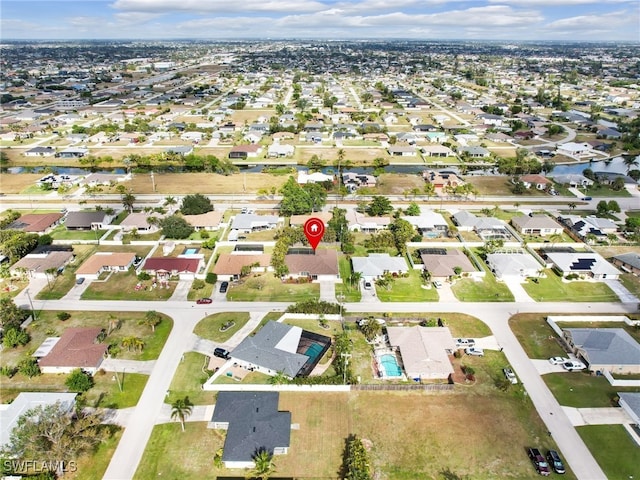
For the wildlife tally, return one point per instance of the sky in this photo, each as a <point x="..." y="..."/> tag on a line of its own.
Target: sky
<point x="568" y="20"/>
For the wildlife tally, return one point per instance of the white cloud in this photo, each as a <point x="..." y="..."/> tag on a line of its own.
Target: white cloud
<point x="582" y="22"/>
<point x="557" y="3"/>
<point x="217" y="6"/>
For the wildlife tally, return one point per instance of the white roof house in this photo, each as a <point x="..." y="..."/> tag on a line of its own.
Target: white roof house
<point x="278" y="150"/>
<point x="315" y="177"/>
<point x="513" y="266"/>
<point x="583" y="263"/>
<point x="249" y="222"/>
<point x="428" y="223"/>
<point x="573" y="149"/>
<point x="424" y="350"/>
<point x="377" y="264"/>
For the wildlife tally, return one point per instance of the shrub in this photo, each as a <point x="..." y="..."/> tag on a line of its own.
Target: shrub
<point x="8" y="370"/>
<point x="79" y="381"/>
<point x="211" y="278"/>
<point x="197" y="284"/>
<point x="29" y="367"/>
<point x="144" y="276"/>
<point x="15" y="336"/>
<point x="63" y="316"/>
<point x="572" y="276"/>
<point x="314" y="306"/>
<point x="204" y="234"/>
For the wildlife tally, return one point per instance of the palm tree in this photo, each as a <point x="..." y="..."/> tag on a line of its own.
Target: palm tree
<point x="170" y="200"/>
<point x="630" y="162"/>
<point x="572" y="206"/>
<point x="279" y="379"/>
<point x="264" y="464"/>
<point x="555" y="238"/>
<point x="181" y="409"/>
<point x="50" y="272"/>
<point x="133" y="342"/>
<point x="127" y="201"/>
<point x="355" y="278"/>
<point x="151" y="319"/>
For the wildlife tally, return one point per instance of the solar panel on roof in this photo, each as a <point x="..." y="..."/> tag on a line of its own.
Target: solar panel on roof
<point x="583" y="264"/>
<point x="433" y="251"/>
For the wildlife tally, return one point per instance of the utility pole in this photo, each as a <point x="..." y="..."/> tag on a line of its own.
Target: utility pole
<point x="153" y="182"/>
<point x="346" y="357"/>
<point x="33" y="311"/>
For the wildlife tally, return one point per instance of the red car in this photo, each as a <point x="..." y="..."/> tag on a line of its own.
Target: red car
<point x="204" y="301"/>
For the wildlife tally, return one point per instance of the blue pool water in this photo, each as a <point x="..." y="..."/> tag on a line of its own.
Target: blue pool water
<point x="190" y="251"/>
<point x="390" y="365"/>
<point x="314" y="351"/>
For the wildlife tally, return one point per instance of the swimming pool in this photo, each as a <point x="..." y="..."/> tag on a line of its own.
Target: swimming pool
<point x="314" y="351"/>
<point x="390" y="366"/>
<point x="190" y="251"/>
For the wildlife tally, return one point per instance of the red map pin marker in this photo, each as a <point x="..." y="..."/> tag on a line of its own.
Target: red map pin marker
<point x="314" y="230"/>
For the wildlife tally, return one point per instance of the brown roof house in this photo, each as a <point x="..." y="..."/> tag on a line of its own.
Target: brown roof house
<point x="318" y="265"/>
<point x="36" y="222"/>
<point x="76" y="348"/>
<point x="105" y="262"/>
<point x="205" y="221"/>
<point x="230" y="265"/>
<point x="36" y="265"/>
<point x="165" y="267"/>
<point x="442" y="262"/>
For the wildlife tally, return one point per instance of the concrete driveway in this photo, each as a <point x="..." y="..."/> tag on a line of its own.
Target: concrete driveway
<point x="519" y="293"/>
<point x="181" y="291"/>
<point x="597" y="416"/>
<point x="621" y="291"/>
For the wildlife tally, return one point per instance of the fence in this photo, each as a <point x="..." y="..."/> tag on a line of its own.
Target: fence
<point x="436" y="387"/>
<point x="620" y="383"/>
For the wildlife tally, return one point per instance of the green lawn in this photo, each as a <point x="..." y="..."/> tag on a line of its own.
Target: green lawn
<point x="121" y="286"/>
<point x="205" y="292"/>
<point x="188" y="380"/>
<point x="553" y="289"/>
<point x="605" y="191"/>
<point x="583" y="390"/>
<point x="536" y="336"/>
<point x="61" y="284"/>
<point x="252" y="378"/>
<point x="616" y="453"/>
<point x="106" y="393"/>
<point x="267" y="288"/>
<point x="209" y="327"/>
<point x="61" y="233"/>
<point x="631" y="283"/>
<point x="407" y="289"/>
<point x="488" y="289"/>
<point x="351" y="293"/>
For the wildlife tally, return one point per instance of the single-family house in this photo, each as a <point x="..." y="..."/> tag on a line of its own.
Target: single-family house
<point x="78" y="347"/>
<point x="589" y="225"/>
<point x="315" y="177"/>
<point x="360" y="222"/>
<point x="38" y="265"/>
<point x="95" y="179"/>
<point x="585" y="264"/>
<point x="629" y="262"/>
<point x="537" y="181"/>
<point x="253" y="424"/>
<point x="475" y="152"/>
<point x="352" y="181"/>
<point x="491" y="119"/>
<point x="436" y="137"/>
<point x="73" y="152"/>
<point x="40" y="152"/>
<point x="231" y="266"/>
<point x="245" y="151"/>
<point x="377" y="264"/>
<point x="573" y="180"/>
<point x="442" y="263"/>
<point x="315" y="265"/>
<point x="442" y="179"/>
<point x="464" y="220"/>
<point x="36" y="222"/>
<point x="573" y="149"/>
<point x="26" y="401"/>
<point x="630" y="403"/>
<point x="205" y="221"/>
<point x="280" y="348"/>
<point x="513" y="265"/>
<point x="182" y="150"/>
<point x="105" y="262"/>
<point x="430" y="224"/>
<point x="610" y="349"/>
<point x="139" y="221"/>
<point x="541" y="225"/>
<point x="280" y="150"/>
<point x="250" y="222"/>
<point x="425" y="351"/>
<point x="402" y="151"/>
<point x="86" y="220"/>
<point x="437" y="151"/>
<point x="165" y="267"/>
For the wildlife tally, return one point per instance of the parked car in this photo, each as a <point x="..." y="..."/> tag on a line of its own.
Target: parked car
<point x="244" y="210"/>
<point x="555" y="462"/>
<point x="437" y="284"/>
<point x="509" y="375"/>
<point x="368" y="286"/>
<point x="223" y="287"/>
<point x="204" y="301"/>
<point x="540" y="464"/>
<point x="79" y="280"/>
<point x="474" y="351"/>
<point x="221" y="353"/>
<point x="558" y="360"/>
<point x="572" y="365"/>
<point x="465" y="342"/>
<point x="586" y="199"/>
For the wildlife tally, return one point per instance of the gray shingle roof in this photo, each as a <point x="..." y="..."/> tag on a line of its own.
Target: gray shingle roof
<point x="83" y="219"/>
<point x="606" y="346"/>
<point x="266" y="350"/>
<point x="254" y="424"/>
<point x="630" y="258"/>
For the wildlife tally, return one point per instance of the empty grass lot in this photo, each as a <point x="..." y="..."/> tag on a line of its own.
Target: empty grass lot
<point x="488" y="289"/>
<point x="16" y="183"/>
<point x="423" y="436"/>
<point x="266" y="288"/>
<point x="106" y="393"/>
<point x="188" y="380"/>
<point x="349" y="291"/>
<point x="209" y="327"/>
<point x="613" y="449"/>
<point x="407" y="289"/>
<point x="186" y="183"/>
<point x="583" y="390"/>
<point x="536" y="336"/>
<point x="553" y="289"/>
<point x="121" y="286"/>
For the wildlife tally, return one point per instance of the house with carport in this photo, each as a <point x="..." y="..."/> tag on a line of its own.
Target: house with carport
<point x="37" y="265"/>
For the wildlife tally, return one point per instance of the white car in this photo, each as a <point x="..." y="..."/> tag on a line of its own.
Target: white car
<point x="573" y="365"/>
<point x="437" y="284"/>
<point x="558" y="360"/>
<point x="465" y="342"/>
<point x="509" y="375"/>
<point x="478" y="352"/>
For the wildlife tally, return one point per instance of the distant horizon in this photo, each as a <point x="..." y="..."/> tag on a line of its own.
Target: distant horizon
<point x="591" y="21"/>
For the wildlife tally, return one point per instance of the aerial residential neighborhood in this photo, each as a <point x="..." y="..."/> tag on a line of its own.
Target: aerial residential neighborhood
<point x="466" y="306"/>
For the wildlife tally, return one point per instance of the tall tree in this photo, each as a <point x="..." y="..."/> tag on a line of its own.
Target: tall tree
<point x="128" y="200"/>
<point x="151" y="319"/>
<point x="195" y="204"/>
<point x="181" y="409"/>
<point x="264" y="466"/>
<point x="402" y="232"/>
<point x="379" y="206"/>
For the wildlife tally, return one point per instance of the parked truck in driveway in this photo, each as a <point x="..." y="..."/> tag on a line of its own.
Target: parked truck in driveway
<point x="540" y="464"/>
